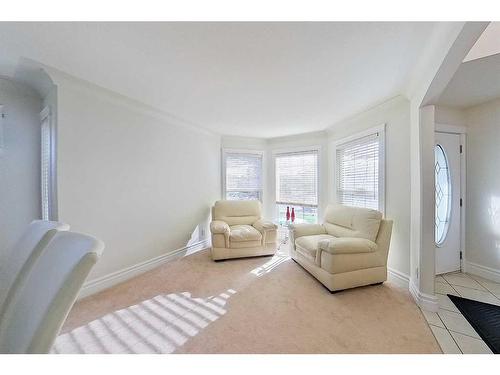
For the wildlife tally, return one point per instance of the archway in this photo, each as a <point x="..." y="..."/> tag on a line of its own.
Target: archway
<point x="451" y="45"/>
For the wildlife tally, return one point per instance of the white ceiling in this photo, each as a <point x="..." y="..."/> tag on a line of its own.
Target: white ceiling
<point x="475" y="82"/>
<point x="248" y="79"/>
<point x="488" y="43"/>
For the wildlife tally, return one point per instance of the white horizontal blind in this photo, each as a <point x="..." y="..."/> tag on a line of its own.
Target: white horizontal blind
<point x="243" y="175"/>
<point x="358" y="172"/>
<point x="45" y="166"/>
<point x="297" y="178"/>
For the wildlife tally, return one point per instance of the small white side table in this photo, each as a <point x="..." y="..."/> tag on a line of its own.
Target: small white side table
<point x="284" y="229"/>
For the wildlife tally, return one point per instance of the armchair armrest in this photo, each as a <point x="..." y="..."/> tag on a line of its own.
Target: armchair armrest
<point x="347" y="245"/>
<point x="219" y="227"/>
<point x="263" y="225"/>
<point x="300" y="230"/>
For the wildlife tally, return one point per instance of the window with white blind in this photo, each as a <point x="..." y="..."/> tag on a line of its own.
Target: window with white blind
<point x="297" y="185"/>
<point x="360" y="170"/>
<point x="45" y="158"/>
<point x="48" y="166"/>
<point x="242" y="175"/>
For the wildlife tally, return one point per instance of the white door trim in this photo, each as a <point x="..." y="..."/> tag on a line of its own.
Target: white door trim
<point x="463" y="189"/>
<point x="462" y="131"/>
<point x="454" y="129"/>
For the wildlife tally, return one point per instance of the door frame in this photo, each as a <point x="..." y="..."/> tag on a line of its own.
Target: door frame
<point x="462" y="132"/>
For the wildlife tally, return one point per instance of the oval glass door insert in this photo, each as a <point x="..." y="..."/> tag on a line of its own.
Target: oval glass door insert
<point x="443" y="194"/>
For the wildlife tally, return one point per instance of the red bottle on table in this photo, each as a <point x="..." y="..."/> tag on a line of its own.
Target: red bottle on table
<point x="293" y="214"/>
<point x="287" y="213"/>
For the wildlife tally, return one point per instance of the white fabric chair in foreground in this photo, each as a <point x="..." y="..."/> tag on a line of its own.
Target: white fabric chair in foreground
<point x="348" y="250"/>
<point x="16" y="263"/>
<point x="38" y="309"/>
<point x="238" y="230"/>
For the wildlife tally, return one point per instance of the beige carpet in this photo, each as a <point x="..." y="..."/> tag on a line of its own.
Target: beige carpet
<point x="254" y="305"/>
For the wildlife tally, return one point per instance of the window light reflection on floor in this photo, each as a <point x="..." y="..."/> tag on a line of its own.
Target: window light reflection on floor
<point x="158" y="325"/>
<point x="275" y="261"/>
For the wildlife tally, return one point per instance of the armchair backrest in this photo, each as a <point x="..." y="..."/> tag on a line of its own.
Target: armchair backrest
<point x="17" y="262"/>
<point x="237" y="212"/>
<point x="346" y="221"/>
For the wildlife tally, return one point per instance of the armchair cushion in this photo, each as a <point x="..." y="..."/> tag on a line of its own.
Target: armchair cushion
<point x="308" y="245"/>
<point x="241" y="233"/>
<point x="300" y="230"/>
<point x="347" y="245"/>
<point x="219" y="227"/>
<point x="262" y="225"/>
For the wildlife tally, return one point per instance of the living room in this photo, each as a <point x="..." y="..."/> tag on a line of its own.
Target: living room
<point x="248" y="187"/>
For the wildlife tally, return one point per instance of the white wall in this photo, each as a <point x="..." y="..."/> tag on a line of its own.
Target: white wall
<point x="427" y="264"/>
<point x="395" y="114"/>
<point x="19" y="161"/>
<point x="244" y="143"/>
<point x="130" y="175"/>
<point x="449" y="116"/>
<point x="483" y="186"/>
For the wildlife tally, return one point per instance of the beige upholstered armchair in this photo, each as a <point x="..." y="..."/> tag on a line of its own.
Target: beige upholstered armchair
<point x="349" y="249"/>
<point x="238" y="230"/>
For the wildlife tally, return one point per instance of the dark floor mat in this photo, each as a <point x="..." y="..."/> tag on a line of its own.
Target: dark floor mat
<point x="483" y="317"/>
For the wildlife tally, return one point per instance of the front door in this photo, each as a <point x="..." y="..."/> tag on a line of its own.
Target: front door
<point x="447" y="215"/>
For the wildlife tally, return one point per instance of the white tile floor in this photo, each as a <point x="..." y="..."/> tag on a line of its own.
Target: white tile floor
<point x="453" y="332"/>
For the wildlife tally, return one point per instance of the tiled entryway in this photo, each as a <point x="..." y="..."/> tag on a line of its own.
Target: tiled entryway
<point x="453" y="332"/>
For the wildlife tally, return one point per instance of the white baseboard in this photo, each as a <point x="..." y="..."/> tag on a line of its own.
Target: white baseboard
<point x="399" y="278"/>
<point x="483" y="271"/>
<point x="427" y="302"/>
<point x="93" y="286"/>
